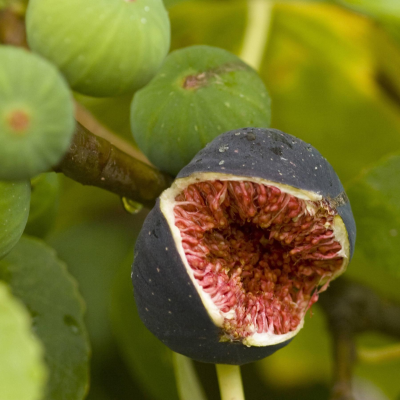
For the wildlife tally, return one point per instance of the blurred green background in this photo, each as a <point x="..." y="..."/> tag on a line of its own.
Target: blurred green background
<point x="333" y="72"/>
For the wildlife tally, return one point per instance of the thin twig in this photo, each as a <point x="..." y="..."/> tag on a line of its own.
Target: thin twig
<point x="12" y="29"/>
<point x="379" y="355"/>
<point x="94" y="161"/>
<point x="344" y="359"/>
<point x="230" y="382"/>
<point x="352" y="308"/>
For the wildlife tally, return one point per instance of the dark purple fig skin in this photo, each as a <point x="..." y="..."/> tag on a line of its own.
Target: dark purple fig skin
<point x="279" y="157"/>
<point x="170" y="306"/>
<point x="167" y="300"/>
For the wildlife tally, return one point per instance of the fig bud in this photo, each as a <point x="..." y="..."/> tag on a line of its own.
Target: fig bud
<point x="238" y="249"/>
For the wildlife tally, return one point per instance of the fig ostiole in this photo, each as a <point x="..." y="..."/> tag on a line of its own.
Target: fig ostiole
<point x="239" y="247"/>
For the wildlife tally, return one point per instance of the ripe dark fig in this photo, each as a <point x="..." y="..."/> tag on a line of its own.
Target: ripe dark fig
<point x="14" y="211"/>
<point x="199" y="93"/>
<point x="239" y="248"/>
<point x="103" y="48"/>
<point x="36" y="114"/>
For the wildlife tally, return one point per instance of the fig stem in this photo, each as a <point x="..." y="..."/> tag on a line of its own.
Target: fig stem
<point x="230" y="382"/>
<point x="92" y="160"/>
<point x="12" y="28"/>
<point x="257" y="32"/>
<point x="352" y="308"/>
<point x="379" y="355"/>
<point x="92" y="124"/>
<point x="187" y="382"/>
<point x="344" y="360"/>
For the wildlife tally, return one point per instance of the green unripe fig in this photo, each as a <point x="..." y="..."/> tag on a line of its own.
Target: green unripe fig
<point x="199" y="93"/>
<point x="44" y="204"/>
<point x="14" y="211"/>
<point x="103" y="47"/>
<point x="36" y="114"/>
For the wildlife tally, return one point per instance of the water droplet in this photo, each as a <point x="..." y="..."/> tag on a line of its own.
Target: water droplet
<point x="132" y="207"/>
<point x="223" y="148"/>
<point x="71" y="323"/>
<point x="237" y="133"/>
<point x="221" y="162"/>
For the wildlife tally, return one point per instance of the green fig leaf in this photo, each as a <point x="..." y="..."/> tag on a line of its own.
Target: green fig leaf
<point x="305" y="361"/>
<point x="375" y="200"/>
<point x="320" y="72"/>
<point x="23" y="373"/>
<point x="149" y="360"/>
<point x="215" y="23"/>
<point x="93" y="251"/>
<point x="93" y="238"/>
<point x="40" y="280"/>
<point x="36" y="114"/>
<point x="376" y="8"/>
<point x="14" y="211"/>
<point x="384" y="374"/>
<point x="44" y="204"/>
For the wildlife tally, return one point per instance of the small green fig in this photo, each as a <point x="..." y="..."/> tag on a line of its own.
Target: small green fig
<point x="14" y="211"/>
<point x="199" y="93"/>
<point x="104" y="48"/>
<point x="36" y="114"/>
<point x="44" y="204"/>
